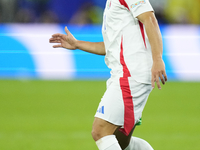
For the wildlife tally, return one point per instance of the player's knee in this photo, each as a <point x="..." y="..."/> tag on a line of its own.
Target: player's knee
<point x="98" y="131"/>
<point x="96" y="134"/>
<point x="102" y="128"/>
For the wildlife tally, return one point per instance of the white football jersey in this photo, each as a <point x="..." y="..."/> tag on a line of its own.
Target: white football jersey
<point x="128" y="52"/>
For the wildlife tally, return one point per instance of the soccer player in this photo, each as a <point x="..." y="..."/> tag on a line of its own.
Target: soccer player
<point x="133" y="50"/>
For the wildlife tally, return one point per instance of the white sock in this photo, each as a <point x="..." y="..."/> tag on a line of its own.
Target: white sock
<point x="138" y="144"/>
<point x="108" y="143"/>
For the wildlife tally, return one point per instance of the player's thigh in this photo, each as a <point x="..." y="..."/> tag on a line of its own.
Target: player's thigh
<point x="111" y="107"/>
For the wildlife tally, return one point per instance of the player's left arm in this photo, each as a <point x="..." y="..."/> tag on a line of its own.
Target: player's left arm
<point x="154" y="35"/>
<point x="69" y="42"/>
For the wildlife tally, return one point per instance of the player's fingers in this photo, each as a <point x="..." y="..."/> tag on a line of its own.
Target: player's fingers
<point x="161" y="78"/>
<point x="158" y="82"/>
<point x="66" y="30"/>
<point x="58" y="36"/>
<point x="57" y="46"/>
<point x="153" y="82"/>
<point x="55" y="35"/>
<point x="165" y="76"/>
<point x="50" y="40"/>
<point x="54" y="41"/>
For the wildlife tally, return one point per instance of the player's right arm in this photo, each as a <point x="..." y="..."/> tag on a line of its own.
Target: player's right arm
<point x="68" y="41"/>
<point x="155" y="39"/>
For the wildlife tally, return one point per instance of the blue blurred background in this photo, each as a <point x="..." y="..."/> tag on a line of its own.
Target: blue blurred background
<point x="26" y="26"/>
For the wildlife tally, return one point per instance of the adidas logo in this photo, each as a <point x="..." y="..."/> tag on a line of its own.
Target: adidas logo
<point x="101" y="110"/>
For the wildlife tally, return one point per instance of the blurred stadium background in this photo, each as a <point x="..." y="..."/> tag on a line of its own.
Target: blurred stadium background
<point x="42" y="89"/>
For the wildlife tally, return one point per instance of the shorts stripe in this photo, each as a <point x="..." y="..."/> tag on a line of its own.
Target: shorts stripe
<point x="129" y="118"/>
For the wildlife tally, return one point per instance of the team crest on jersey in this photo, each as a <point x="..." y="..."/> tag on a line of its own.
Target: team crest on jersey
<point x="138" y="3"/>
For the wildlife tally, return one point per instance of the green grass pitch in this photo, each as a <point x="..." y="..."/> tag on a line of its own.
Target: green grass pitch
<point x="58" y="115"/>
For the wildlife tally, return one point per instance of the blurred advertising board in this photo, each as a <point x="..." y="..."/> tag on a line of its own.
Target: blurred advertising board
<point x="25" y="53"/>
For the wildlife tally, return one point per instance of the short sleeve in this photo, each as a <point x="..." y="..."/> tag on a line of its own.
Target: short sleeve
<point x="138" y="7"/>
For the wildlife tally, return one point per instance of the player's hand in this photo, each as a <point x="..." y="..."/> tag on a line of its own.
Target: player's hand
<point x="158" y="72"/>
<point x="67" y="40"/>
